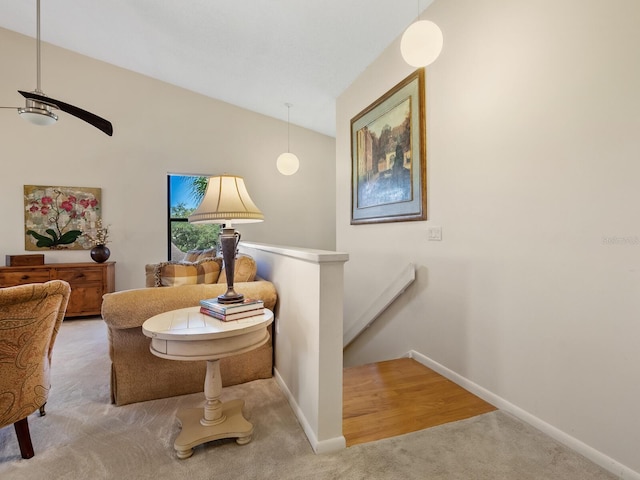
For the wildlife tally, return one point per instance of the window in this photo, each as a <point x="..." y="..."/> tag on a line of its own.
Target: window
<point x="185" y="193"/>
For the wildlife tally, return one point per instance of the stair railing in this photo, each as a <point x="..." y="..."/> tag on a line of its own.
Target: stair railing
<point x="380" y="304"/>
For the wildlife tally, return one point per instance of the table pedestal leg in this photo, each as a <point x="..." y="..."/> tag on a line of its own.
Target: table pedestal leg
<point x="218" y="420"/>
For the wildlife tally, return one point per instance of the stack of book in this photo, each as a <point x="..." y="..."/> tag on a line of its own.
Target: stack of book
<point x="231" y="311"/>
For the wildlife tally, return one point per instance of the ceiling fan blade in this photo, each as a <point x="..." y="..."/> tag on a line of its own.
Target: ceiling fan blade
<point x="91" y="118"/>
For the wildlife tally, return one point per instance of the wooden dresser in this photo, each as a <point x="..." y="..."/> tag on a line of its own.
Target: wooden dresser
<point x="89" y="281"/>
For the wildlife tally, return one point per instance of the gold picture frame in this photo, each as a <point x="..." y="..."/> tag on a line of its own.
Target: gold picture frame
<point x="383" y="188"/>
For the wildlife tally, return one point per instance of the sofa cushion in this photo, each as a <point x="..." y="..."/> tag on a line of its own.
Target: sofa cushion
<point x="197" y="255"/>
<point x="245" y="270"/>
<point x="173" y="274"/>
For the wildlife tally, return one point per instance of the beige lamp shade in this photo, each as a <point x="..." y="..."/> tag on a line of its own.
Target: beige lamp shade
<point x="226" y="201"/>
<point x="421" y="43"/>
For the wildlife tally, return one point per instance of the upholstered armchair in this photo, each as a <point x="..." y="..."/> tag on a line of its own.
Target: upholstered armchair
<point x="30" y="316"/>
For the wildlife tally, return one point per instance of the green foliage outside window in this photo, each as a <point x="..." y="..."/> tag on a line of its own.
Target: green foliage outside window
<point x="185" y="235"/>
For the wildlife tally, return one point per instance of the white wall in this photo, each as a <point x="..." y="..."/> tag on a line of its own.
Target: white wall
<point x="533" y="175"/>
<point x="158" y="129"/>
<point x="308" y="335"/>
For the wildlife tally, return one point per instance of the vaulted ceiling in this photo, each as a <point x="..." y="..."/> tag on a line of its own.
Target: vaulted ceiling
<point x="256" y="54"/>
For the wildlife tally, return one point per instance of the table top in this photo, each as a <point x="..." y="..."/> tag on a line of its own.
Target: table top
<point x="189" y="324"/>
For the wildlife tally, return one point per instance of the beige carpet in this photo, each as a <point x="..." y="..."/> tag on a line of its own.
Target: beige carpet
<point x="83" y="436"/>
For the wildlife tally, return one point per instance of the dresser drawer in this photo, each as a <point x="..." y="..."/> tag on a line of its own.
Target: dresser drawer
<point x="89" y="282"/>
<point x="85" y="300"/>
<point x="77" y="276"/>
<point x="23" y="277"/>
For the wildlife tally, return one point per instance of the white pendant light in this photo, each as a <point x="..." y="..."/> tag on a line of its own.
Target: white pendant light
<point x="287" y="163"/>
<point x="421" y="43"/>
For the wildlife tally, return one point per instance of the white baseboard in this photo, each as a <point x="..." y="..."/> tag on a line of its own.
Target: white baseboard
<point x="319" y="447"/>
<point x="583" y="449"/>
<point x="331" y="446"/>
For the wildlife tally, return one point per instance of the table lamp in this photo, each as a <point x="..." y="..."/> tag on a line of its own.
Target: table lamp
<point x="227" y="201"/>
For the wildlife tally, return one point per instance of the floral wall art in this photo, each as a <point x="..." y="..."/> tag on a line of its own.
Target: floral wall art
<point x="60" y="218"/>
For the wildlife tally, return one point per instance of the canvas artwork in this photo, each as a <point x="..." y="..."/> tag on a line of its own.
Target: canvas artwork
<point x="386" y="141"/>
<point x="56" y="218"/>
<point x="388" y="156"/>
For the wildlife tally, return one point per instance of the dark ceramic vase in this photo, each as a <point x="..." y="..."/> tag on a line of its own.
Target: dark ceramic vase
<point x="100" y="253"/>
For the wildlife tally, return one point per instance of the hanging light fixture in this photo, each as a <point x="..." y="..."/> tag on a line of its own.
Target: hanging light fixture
<point x="288" y="163"/>
<point x="38" y="113"/>
<point x="421" y="43"/>
<point x="35" y="112"/>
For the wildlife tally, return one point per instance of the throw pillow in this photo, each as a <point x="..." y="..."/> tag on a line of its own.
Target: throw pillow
<point x="174" y="274"/>
<point x="245" y="270"/>
<point x="197" y="255"/>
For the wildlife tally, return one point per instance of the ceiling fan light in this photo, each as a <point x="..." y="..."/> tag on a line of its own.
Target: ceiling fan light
<point x="421" y="43"/>
<point x="38" y="116"/>
<point x="287" y="163"/>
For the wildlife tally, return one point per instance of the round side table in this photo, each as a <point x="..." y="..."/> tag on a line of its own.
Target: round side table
<point x="187" y="334"/>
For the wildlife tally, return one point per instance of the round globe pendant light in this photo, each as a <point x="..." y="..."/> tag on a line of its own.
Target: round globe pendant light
<point x="421" y="43"/>
<point x="288" y="163"/>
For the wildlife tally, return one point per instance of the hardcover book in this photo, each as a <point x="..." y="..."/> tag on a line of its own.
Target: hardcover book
<point x="232" y="316"/>
<point x="226" y="308"/>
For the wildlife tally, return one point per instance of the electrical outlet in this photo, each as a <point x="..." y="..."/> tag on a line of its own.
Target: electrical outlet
<point x="434" y="234"/>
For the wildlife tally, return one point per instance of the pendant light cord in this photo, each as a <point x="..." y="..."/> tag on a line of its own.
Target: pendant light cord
<point x="288" y="127"/>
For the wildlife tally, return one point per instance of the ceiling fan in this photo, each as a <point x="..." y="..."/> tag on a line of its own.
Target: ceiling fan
<point x="38" y="108"/>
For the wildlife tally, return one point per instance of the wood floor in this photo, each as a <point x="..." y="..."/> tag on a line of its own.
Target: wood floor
<point x="400" y="396"/>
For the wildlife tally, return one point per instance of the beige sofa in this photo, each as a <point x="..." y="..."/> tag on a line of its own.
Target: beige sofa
<point x="138" y="375"/>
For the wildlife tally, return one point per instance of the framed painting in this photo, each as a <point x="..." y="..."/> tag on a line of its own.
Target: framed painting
<point x="59" y="218"/>
<point x="388" y="168"/>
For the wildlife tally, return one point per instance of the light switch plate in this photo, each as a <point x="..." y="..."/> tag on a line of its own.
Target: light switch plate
<point x="434" y="233"/>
